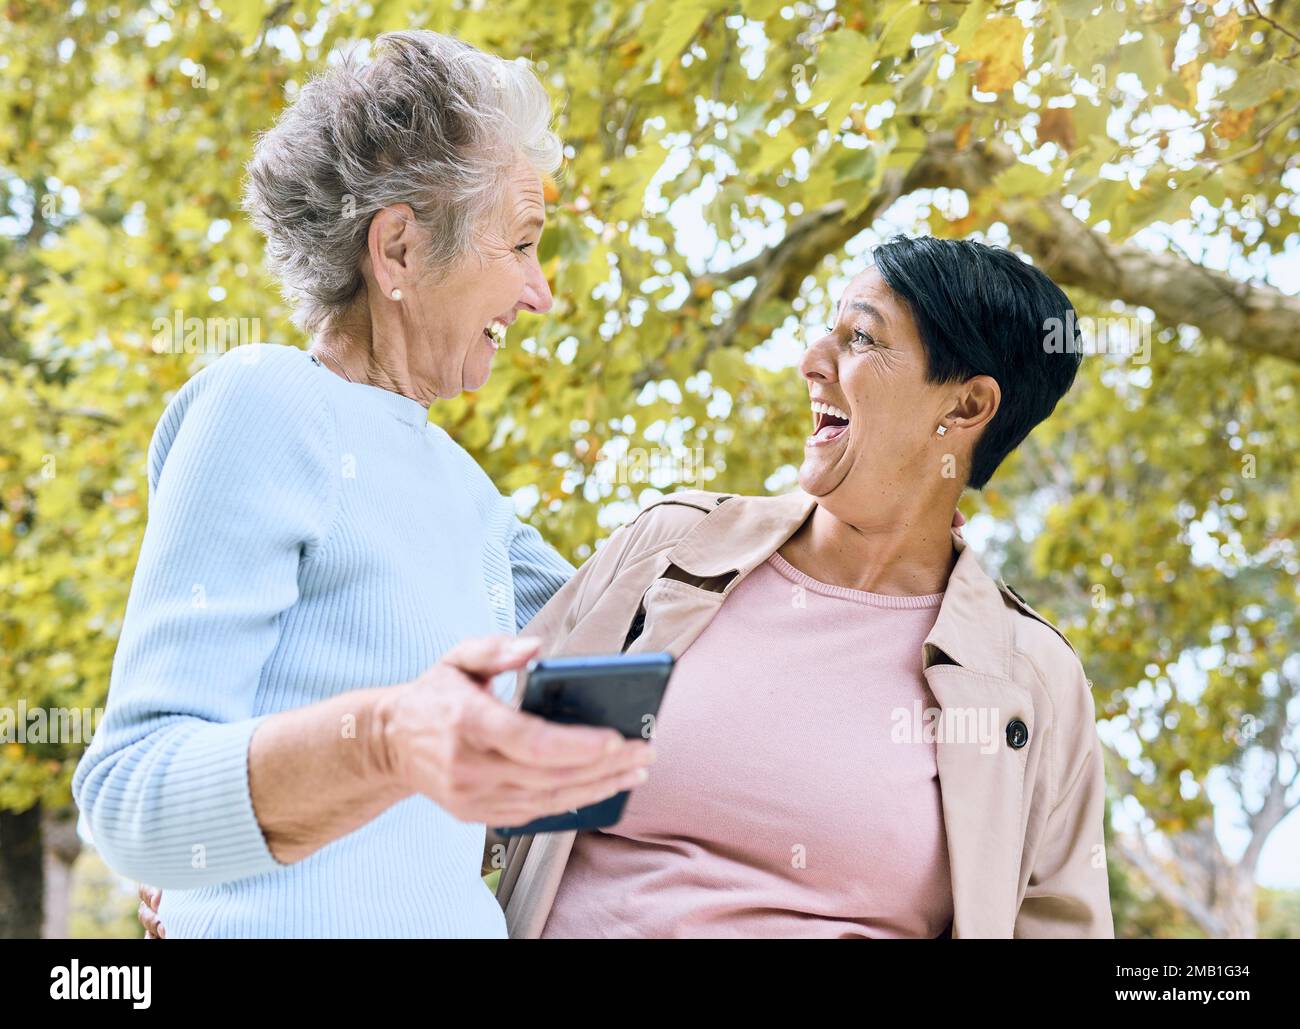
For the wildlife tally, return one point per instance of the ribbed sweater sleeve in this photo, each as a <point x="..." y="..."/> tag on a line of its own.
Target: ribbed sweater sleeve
<point x="249" y="441"/>
<point x="538" y="570"/>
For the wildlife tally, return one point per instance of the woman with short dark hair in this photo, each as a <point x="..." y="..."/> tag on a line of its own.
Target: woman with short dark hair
<point x="865" y="735"/>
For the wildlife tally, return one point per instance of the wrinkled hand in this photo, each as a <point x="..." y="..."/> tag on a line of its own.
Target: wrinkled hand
<point x="447" y="737"/>
<point x="958" y="520"/>
<point x="150" y="898"/>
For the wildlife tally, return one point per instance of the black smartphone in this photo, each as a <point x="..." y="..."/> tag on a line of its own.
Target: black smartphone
<point x="620" y="691"/>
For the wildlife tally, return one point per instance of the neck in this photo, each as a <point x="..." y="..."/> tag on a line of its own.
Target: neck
<point x="905" y="549"/>
<point x="360" y="350"/>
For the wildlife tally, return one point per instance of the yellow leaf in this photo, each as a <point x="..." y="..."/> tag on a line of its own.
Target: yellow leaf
<point x="1224" y="33"/>
<point x="998" y="46"/>
<point x="1232" y="124"/>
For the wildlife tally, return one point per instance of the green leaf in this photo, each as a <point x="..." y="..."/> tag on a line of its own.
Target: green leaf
<point x="671" y="24"/>
<point x="972" y="18"/>
<point x="1255" y="85"/>
<point x="843" y="61"/>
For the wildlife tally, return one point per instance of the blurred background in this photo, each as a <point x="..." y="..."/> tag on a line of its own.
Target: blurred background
<point x="729" y="165"/>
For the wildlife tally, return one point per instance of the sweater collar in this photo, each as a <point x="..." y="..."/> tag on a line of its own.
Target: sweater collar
<point x="403" y="408"/>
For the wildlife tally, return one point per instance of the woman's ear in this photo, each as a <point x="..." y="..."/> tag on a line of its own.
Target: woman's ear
<point x="390" y="246"/>
<point x="975" y="404"/>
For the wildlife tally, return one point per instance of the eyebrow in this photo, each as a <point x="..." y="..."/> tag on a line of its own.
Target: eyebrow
<point x="870" y="309"/>
<point x="535" y="222"/>
<point x="866" y="308"/>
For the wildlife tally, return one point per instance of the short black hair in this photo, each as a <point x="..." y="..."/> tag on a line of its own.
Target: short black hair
<point x="981" y="310"/>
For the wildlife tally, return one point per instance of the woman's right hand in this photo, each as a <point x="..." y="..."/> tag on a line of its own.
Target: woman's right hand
<point x="447" y="737"/>
<point x="150" y="898"/>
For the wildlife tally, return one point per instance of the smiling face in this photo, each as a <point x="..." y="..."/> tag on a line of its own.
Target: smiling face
<point x="874" y="414"/>
<point x="453" y="317"/>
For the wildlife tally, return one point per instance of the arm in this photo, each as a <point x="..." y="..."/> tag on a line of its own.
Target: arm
<point x="557" y="618"/>
<point x="550" y="627"/>
<point x="241" y="481"/>
<point x="183" y="786"/>
<point x="539" y="572"/>
<point x="1068" y="894"/>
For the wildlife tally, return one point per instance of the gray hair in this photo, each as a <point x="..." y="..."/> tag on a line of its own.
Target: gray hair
<point x="430" y="121"/>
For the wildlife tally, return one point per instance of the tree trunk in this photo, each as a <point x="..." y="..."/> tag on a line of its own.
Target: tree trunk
<point x="22" y="875"/>
<point x="61" y="846"/>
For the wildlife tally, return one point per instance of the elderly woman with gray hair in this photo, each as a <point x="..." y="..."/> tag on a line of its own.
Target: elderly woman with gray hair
<point x="306" y="729"/>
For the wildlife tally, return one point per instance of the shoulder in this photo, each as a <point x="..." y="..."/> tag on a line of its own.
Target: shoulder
<point x="632" y="548"/>
<point x="670" y="518"/>
<point x="257" y="366"/>
<point x="259" y="398"/>
<point x="465" y="464"/>
<point x="260" y="381"/>
<point x="1049" y="653"/>
<point x="1032" y="630"/>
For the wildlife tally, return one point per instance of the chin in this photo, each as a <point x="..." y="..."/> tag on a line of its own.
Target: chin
<point x="815" y="479"/>
<point x="475" y="378"/>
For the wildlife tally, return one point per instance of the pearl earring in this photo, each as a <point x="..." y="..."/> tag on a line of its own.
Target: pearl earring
<point x="941" y="429"/>
<point x="397" y="294"/>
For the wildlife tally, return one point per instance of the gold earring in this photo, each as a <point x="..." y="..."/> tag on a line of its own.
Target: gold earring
<point x="397" y="294"/>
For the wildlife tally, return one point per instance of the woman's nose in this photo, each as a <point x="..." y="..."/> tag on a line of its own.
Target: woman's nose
<point x="537" y="291"/>
<point x="816" y="365"/>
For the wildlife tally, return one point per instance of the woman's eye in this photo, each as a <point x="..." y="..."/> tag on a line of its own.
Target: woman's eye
<point x="523" y="247"/>
<point x="861" y="337"/>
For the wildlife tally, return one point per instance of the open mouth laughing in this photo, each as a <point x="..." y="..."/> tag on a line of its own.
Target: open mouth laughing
<point x="829" y="423"/>
<point x="496" y="333"/>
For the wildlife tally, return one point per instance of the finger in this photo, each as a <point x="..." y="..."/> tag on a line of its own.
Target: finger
<point x="555" y="802"/>
<point x="487" y="656"/>
<point x="620" y="763"/>
<point x="149" y="895"/>
<point x="148" y="918"/>
<point x="530" y="740"/>
<point x="490" y="775"/>
<point x="958" y="519"/>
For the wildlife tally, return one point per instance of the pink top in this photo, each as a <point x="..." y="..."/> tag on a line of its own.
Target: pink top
<point x="793" y="794"/>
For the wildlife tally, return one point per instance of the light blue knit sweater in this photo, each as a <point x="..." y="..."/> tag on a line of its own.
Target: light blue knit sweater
<point x="306" y="536"/>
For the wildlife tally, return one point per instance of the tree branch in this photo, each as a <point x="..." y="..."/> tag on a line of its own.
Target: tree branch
<point x="1252" y="317"/>
<point x="1255" y="318"/>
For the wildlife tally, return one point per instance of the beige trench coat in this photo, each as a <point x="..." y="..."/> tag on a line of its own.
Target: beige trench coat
<point x="1019" y="759"/>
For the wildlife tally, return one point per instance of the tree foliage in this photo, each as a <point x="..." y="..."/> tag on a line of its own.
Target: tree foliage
<point x="725" y="163"/>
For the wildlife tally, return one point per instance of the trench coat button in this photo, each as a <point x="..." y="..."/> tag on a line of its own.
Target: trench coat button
<point x="1017" y="734"/>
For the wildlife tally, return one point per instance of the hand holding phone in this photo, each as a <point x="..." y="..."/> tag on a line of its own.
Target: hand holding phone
<point x="447" y="737"/>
